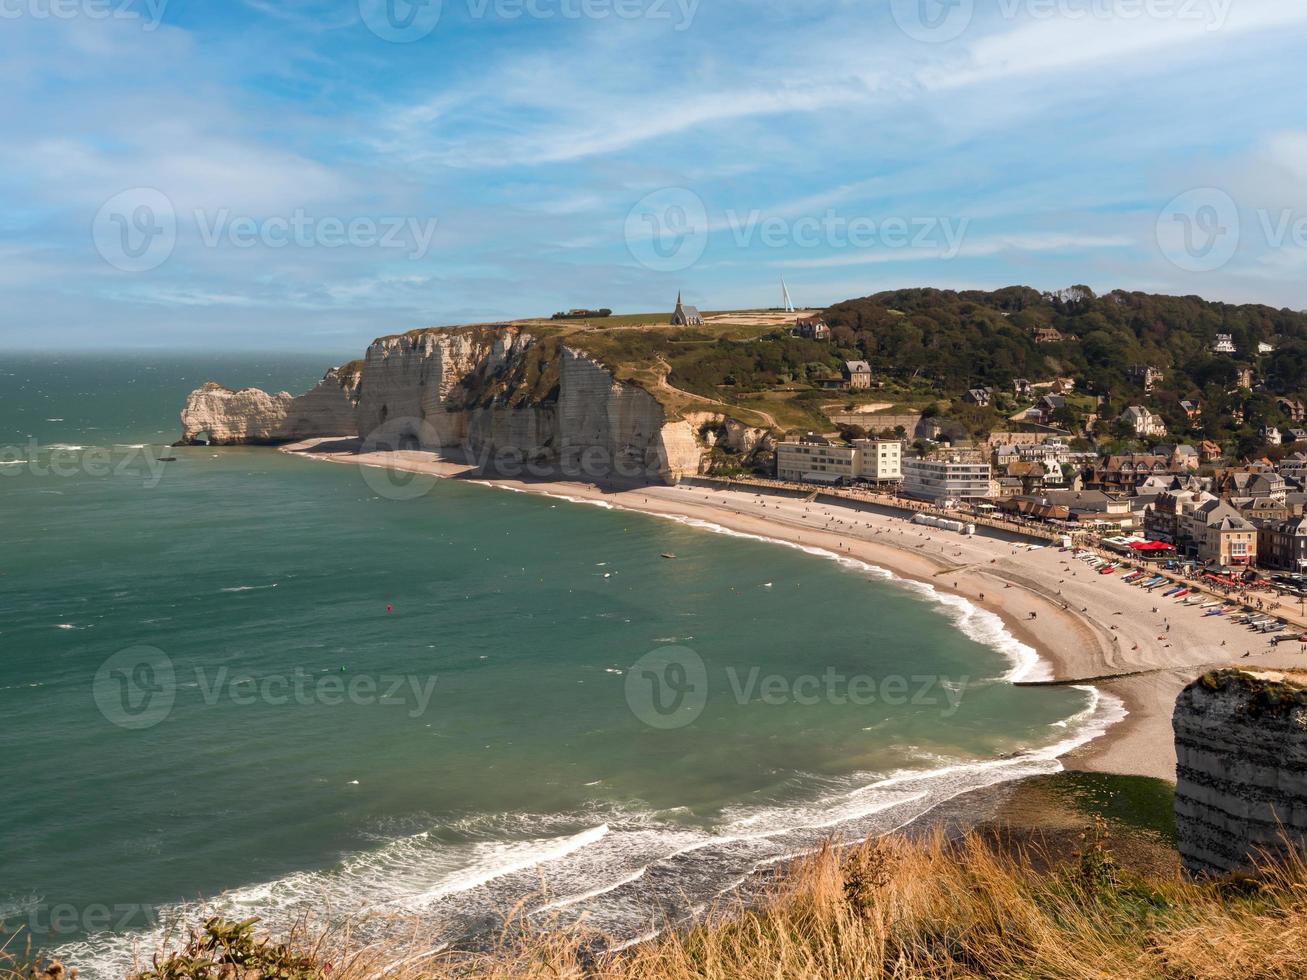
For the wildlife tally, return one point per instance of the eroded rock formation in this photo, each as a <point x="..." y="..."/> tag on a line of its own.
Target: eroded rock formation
<point x="223" y="417"/>
<point x="1241" y="774"/>
<point x="499" y="393"/>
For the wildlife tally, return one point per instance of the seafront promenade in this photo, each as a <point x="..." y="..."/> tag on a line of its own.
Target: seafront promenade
<point x="1269" y="601"/>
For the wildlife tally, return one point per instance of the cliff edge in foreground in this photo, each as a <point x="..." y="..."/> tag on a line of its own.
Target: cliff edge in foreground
<point x="1241" y="775"/>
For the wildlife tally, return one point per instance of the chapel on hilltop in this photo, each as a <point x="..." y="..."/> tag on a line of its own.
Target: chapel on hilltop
<point x="686" y="316"/>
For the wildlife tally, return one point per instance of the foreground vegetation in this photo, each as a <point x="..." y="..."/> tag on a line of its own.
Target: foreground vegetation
<point x="984" y="906"/>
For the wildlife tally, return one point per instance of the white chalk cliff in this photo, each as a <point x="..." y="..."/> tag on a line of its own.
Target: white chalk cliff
<point x="1241" y="775"/>
<point x="496" y="392"/>
<point x="223" y="417"/>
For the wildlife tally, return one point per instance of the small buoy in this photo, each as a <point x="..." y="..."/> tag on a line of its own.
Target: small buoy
<point x="389" y="607"/>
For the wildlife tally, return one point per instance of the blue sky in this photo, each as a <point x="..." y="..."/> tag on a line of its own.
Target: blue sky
<point x="313" y="173"/>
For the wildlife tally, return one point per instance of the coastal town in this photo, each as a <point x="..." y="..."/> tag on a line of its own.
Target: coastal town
<point x="1183" y="498"/>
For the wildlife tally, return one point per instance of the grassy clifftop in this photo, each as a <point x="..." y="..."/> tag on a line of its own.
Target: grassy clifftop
<point x="927" y="347"/>
<point x="987" y="904"/>
<point x="741" y="363"/>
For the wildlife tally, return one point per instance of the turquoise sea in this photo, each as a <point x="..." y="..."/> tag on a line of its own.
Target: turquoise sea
<point x="251" y="681"/>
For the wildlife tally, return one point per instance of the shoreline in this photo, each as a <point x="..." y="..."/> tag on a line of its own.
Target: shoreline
<point x="1159" y="645"/>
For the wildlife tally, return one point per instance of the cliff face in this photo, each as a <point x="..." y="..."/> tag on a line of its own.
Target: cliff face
<point x="224" y="417"/>
<point x="1241" y="775"/>
<point x="504" y="396"/>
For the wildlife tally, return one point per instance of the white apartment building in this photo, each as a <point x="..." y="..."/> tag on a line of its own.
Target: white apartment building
<point x="880" y="460"/>
<point x="946" y="480"/>
<point x="815" y="460"/>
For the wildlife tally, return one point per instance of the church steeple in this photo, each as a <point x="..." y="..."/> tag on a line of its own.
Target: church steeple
<point x="685" y="315"/>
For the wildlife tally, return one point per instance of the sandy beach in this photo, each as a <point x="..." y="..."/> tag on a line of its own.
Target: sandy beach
<point x="1083" y="626"/>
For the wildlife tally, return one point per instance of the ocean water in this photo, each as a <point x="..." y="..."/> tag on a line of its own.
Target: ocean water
<point x="254" y="683"/>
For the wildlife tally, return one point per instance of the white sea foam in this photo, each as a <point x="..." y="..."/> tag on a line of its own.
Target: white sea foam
<point x="618" y="873"/>
<point x="499" y="859"/>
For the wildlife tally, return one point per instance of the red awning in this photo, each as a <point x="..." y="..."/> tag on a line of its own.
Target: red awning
<point x="1151" y="546"/>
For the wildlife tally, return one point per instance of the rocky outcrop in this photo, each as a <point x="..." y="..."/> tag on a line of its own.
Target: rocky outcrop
<point x="222" y="417"/>
<point x="504" y="396"/>
<point x="746" y="440"/>
<point x="1241" y="773"/>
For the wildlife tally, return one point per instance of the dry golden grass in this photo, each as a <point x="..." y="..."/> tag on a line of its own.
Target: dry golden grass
<point x="904" y="908"/>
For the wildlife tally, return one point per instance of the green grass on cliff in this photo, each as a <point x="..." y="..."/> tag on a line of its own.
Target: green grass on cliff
<point x="746" y="364"/>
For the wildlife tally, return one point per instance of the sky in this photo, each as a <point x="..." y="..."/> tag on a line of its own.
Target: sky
<point x="310" y="174"/>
